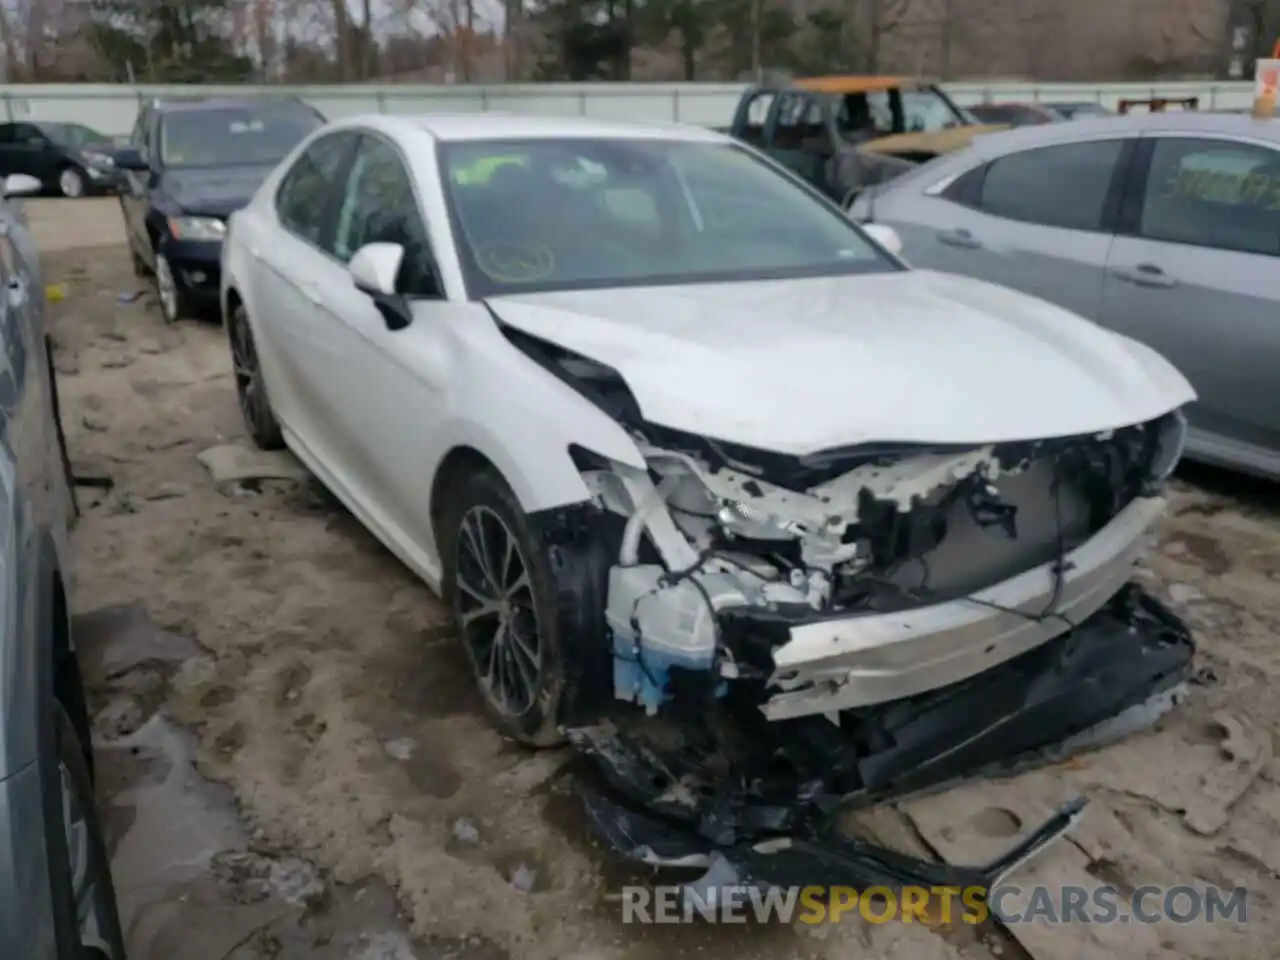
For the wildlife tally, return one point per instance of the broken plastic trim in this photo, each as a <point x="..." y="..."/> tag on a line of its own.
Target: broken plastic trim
<point x="829" y="860"/>
<point x="1117" y="671"/>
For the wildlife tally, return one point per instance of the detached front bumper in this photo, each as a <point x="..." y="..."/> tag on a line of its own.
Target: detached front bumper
<point x="764" y="799"/>
<point x="840" y="664"/>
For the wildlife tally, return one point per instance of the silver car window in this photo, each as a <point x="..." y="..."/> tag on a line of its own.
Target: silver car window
<point x="1213" y="193"/>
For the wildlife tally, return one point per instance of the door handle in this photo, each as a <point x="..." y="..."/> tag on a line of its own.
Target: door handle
<point x="1144" y="275"/>
<point x="959" y="238"/>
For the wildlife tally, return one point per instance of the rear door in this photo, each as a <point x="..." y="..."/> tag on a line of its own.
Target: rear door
<point x="292" y="254"/>
<point x="1195" y="274"/>
<point x="31" y="152"/>
<point x="1039" y="220"/>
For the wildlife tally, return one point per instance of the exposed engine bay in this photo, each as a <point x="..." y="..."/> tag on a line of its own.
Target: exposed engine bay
<point x="787" y="576"/>
<point x="852" y="626"/>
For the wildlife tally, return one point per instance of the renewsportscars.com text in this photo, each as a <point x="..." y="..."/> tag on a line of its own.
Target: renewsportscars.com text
<point x="1010" y="904"/>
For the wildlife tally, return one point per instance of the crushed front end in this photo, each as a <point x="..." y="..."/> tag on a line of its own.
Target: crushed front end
<point x="807" y="635"/>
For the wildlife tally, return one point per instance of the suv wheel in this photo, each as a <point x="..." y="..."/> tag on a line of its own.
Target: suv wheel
<point x="174" y="302"/>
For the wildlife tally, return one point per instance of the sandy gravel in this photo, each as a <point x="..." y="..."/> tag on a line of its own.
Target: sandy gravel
<point x="335" y="717"/>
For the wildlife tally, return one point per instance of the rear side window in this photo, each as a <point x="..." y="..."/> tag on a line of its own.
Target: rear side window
<point x="757" y="112"/>
<point x="305" y="193"/>
<point x="1213" y="193"/>
<point x="1065" y="185"/>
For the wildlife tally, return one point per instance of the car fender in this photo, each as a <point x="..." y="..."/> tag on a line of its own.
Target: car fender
<point x="524" y="418"/>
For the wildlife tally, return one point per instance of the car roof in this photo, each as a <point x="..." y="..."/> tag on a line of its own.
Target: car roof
<point x="1181" y="121"/>
<point x="498" y="126"/>
<point x="854" y="84"/>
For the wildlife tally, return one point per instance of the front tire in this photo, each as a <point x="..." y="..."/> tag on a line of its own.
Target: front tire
<point x="499" y="584"/>
<point x="78" y="863"/>
<point x="71" y="183"/>
<point x="174" y="302"/>
<point x="251" y="386"/>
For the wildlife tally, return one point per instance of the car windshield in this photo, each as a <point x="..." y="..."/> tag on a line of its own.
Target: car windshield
<point x="73" y="135"/>
<point x="566" y="214"/>
<point x="241" y="134"/>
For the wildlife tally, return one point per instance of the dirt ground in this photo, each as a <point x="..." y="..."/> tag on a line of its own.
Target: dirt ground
<point x="295" y="764"/>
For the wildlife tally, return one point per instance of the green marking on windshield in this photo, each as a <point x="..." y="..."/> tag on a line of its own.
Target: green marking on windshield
<point x="482" y="168"/>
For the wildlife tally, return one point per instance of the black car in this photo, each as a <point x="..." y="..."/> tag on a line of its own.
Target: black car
<point x="68" y="158"/>
<point x="189" y="165"/>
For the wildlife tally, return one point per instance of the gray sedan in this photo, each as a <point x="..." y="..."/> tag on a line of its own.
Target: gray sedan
<point x="1164" y="227"/>
<point x="56" y="896"/>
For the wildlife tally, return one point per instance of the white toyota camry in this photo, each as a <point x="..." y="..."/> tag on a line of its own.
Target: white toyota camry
<point x="663" y="425"/>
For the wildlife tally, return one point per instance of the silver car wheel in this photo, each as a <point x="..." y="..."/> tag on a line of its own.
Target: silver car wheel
<point x="70" y="183"/>
<point x="84" y="885"/>
<point x="495" y="608"/>
<point x="167" y="287"/>
<point x="244" y="360"/>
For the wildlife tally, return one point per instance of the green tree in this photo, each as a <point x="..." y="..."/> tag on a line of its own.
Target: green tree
<point x="169" y="41"/>
<point x="590" y="39"/>
<point x="825" y="49"/>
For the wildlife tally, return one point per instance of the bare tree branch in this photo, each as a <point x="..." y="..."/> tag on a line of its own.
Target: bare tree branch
<point x="891" y="14"/>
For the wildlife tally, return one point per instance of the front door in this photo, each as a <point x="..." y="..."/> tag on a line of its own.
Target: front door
<point x="387" y="400"/>
<point x="1036" y="221"/>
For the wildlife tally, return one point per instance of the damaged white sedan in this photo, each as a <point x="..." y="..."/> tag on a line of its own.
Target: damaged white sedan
<point x="666" y="428"/>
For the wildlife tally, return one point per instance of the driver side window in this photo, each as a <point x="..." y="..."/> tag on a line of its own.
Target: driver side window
<point x="28" y="134"/>
<point x="379" y="206"/>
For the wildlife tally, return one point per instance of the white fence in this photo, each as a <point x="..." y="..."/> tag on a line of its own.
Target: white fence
<point x="112" y="109"/>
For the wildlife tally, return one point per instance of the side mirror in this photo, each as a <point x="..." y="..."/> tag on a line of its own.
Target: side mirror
<point x="128" y="158"/>
<point x="21" y="185"/>
<point x="373" y="270"/>
<point x="884" y="235"/>
<point x="374" y="266"/>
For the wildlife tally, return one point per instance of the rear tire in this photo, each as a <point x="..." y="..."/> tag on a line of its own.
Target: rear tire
<point x="500" y="587"/>
<point x="78" y="864"/>
<point x="251" y="385"/>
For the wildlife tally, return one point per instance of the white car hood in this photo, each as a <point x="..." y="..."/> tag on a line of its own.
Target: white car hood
<point x="798" y="366"/>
